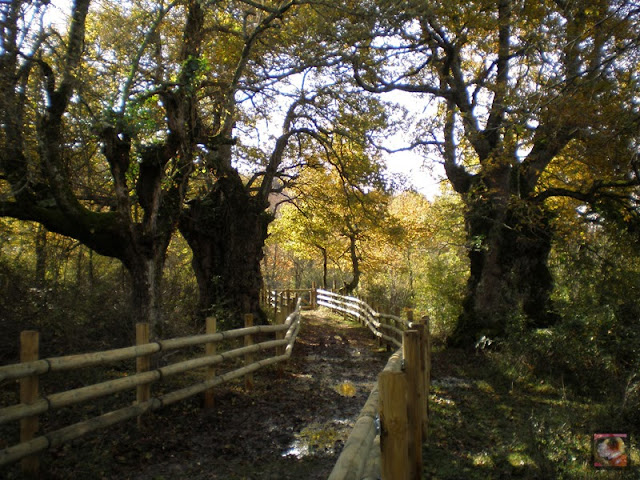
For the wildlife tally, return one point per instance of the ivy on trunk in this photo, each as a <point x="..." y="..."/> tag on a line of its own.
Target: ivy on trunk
<point x="509" y="275"/>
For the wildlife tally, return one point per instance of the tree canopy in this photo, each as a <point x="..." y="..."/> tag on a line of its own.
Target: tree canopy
<point x="125" y="123"/>
<point x="524" y="102"/>
<point x="131" y="121"/>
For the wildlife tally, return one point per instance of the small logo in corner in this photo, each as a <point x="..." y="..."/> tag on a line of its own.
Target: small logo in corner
<point x="611" y="450"/>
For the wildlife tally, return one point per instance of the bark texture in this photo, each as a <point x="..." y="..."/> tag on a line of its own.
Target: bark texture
<point x="226" y="231"/>
<point x="509" y="274"/>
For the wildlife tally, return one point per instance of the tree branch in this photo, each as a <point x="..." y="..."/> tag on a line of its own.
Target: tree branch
<point x="598" y="189"/>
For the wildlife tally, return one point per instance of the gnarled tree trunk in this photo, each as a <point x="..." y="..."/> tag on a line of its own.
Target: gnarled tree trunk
<point x="226" y="231"/>
<point x="509" y="275"/>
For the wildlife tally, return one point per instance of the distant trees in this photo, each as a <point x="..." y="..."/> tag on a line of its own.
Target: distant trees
<point x="333" y="215"/>
<point x="521" y="101"/>
<point x="424" y="265"/>
<point x="411" y="251"/>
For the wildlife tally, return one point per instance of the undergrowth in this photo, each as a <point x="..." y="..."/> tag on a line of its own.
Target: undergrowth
<point x="492" y="416"/>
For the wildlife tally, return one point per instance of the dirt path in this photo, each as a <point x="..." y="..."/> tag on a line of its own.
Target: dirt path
<point x="291" y="426"/>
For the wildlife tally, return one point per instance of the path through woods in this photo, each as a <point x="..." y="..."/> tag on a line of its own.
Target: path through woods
<point x="291" y="426"/>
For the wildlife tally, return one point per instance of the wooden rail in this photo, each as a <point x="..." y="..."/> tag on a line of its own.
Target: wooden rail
<point x="276" y="300"/>
<point x="32" y="404"/>
<point x="388" y="328"/>
<point x="386" y="441"/>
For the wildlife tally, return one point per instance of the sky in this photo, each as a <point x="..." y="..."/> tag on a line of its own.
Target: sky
<point x="425" y="174"/>
<point x="411" y="166"/>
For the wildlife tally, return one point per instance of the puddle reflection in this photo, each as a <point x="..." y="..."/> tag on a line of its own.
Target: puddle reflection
<point x="319" y="439"/>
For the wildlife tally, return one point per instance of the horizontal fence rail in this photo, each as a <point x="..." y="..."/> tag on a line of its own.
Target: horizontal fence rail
<point x="276" y="300"/>
<point x="375" y="449"/>
<point x="285" y="330"/>
<point x="386" y="327"/>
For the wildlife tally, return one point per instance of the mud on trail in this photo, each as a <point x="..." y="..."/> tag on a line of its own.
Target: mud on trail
<point x="292" y="425"/>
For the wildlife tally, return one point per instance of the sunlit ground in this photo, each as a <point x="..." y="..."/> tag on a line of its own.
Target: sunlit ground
<point x="486" y="426"/>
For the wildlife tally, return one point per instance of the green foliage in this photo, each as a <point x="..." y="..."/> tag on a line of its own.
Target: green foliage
<point x="597" y="271"/>
<point x="489" y="421"/>
<point x="81" y="303"/>
<point x="530" y="408"/>
<point x="424" y="264"/>
<point x="594" y="350"/>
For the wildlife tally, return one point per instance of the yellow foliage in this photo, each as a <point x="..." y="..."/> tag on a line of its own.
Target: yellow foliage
<point x="346" y="389"/>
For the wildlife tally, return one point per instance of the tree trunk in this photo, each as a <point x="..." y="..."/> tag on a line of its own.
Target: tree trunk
<point x="509" y="276"/>
<point x="226" y="231"/>
<point x="325" y="265"/>
<point x="298" y="271"/>
<point x="90" y="273"/>
<point x="41" y="256"/>
<point x="349" y="287"/>
<point x="146" y="279"/>
<point x="325" y="269"/>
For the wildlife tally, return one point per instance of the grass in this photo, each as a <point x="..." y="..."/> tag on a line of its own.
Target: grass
<point x="489" y="425"/>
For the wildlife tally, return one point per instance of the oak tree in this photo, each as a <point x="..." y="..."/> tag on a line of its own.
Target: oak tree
<point x="510" y="88"/>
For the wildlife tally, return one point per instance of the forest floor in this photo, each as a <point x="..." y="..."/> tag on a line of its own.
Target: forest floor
<point x="485" y="422"/>
<point x="489" y="422"/>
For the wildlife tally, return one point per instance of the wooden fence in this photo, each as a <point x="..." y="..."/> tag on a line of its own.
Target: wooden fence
<point x="386" y="441"/>
<point x="32" y="404"/>
<point x="277" y="300"/>
<point x="388" y="328"/>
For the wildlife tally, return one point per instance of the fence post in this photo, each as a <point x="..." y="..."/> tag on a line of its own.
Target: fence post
<point x="29" y="392"/>
<point x="415" y="393"/>
<point x="314" y="296"/>
<point x="210" y="350"/>
<point x="279" y="320"/>
<point x="143" y="364"/>
<point x="394" y="454"/>
<point x="275" y="303"/>
<point x="424" y="380"/>
<point x="248" y="357"/>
